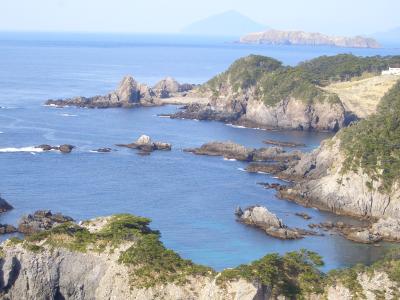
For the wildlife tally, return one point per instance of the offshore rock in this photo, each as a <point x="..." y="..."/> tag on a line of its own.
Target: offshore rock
<point x="261" y="217"/>
<point x="4" y="205"/>
<point x="145" y="145"/>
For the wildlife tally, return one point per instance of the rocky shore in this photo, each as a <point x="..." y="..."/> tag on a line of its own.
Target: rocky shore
<point x="130" y="93"/>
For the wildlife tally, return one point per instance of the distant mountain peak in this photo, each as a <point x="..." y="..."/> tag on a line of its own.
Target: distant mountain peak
<point x="228" y="23"/>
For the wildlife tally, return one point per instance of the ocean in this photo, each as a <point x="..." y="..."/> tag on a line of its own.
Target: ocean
<point x="191" y="199"/>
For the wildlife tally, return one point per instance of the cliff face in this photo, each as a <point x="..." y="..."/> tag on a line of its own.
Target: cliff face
<point x="245" y="105"/>
<point x="277" y="37"/>
<point x="63" y="274"/>
<point x="322" y="183"/>
<point x="72" y="262"/>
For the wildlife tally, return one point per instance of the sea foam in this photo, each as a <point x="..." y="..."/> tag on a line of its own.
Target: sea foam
<point x="21" y="149"/>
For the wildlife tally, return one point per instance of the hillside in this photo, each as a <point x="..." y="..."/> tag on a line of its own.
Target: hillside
<point x="230" y="23"/>
<point x="277" y="37"/>
<point x="362" y="96"/>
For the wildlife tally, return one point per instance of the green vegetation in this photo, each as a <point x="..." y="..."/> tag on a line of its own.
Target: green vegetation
<point x="373" y="144"/>
<point x="272" y="82"/>
<point x="294" y="275"/>
<point x="151" y="263"/>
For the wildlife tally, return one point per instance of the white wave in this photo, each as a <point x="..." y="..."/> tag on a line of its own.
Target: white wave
<point x="1" y="132"/>
<point x="235" y="126"/>
<point x="22" y="149"/>
<point x="259" y="172"/>
<point x="229" y="159"/>
<point x="167" y="117"/>
<point x="7" y="107"/>
<point x="241" y="169"/>
<point x="68" y="115"/>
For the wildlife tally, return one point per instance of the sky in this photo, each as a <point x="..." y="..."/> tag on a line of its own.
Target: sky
<point x="347" y="17"/>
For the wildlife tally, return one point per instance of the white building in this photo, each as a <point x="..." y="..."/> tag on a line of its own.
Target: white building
<point x="391" y="71"/>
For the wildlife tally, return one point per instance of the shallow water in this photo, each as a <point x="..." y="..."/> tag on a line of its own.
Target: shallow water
<point x="191" y="199"/>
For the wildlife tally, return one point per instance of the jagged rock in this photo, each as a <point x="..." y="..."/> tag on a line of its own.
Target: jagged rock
<point x="145" y="145"/>
<point x="261" y="217"/>
<point x="129" y="93"/>
<point x="5" y="228"/>
<point x="169" y="87"/>
<point x="41" y="220"/>
<point x="4" y="205"/>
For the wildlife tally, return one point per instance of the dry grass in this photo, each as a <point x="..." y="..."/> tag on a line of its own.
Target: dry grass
<point x="362" y="96"/>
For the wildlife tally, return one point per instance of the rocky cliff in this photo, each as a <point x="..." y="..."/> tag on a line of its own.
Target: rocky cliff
<point x="278" y="37"/>
<point x="120" y="257"/>
<point x="356" y="172"/>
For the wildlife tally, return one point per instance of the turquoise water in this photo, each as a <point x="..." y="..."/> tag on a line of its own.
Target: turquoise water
<point x="191" y="199"/>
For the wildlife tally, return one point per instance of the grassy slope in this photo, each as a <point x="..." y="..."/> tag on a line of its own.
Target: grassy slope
<point x="362" y="96"/>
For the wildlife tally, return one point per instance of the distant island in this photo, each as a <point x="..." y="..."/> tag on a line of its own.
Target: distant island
<point x="230" y="23"/>
<point x="278" y="37"/>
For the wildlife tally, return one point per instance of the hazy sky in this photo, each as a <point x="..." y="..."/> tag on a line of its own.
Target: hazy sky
<point x="328" y="16"/>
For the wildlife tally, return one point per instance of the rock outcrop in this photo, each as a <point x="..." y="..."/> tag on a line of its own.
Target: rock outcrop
<point x="169" y="87"/>
<point x="41" y="220"/>
<point x="278" y="37"/>
<point x="261" y="217"/>
<point x="145" y="145"/>
<point x="230" y="150"/>
<point x="65" y="148"/>
<point x="129" y="93"/>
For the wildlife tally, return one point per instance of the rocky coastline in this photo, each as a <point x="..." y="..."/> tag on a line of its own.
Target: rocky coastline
<point x="121" y="257"/>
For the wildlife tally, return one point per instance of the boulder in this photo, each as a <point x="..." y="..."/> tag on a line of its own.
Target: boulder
<point x="41" y="220"/>
<point x="269" y="168"/>
<point x="66" y="148"/>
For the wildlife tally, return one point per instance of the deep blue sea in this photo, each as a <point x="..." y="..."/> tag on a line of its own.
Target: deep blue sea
<point x="191" y="199"/>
